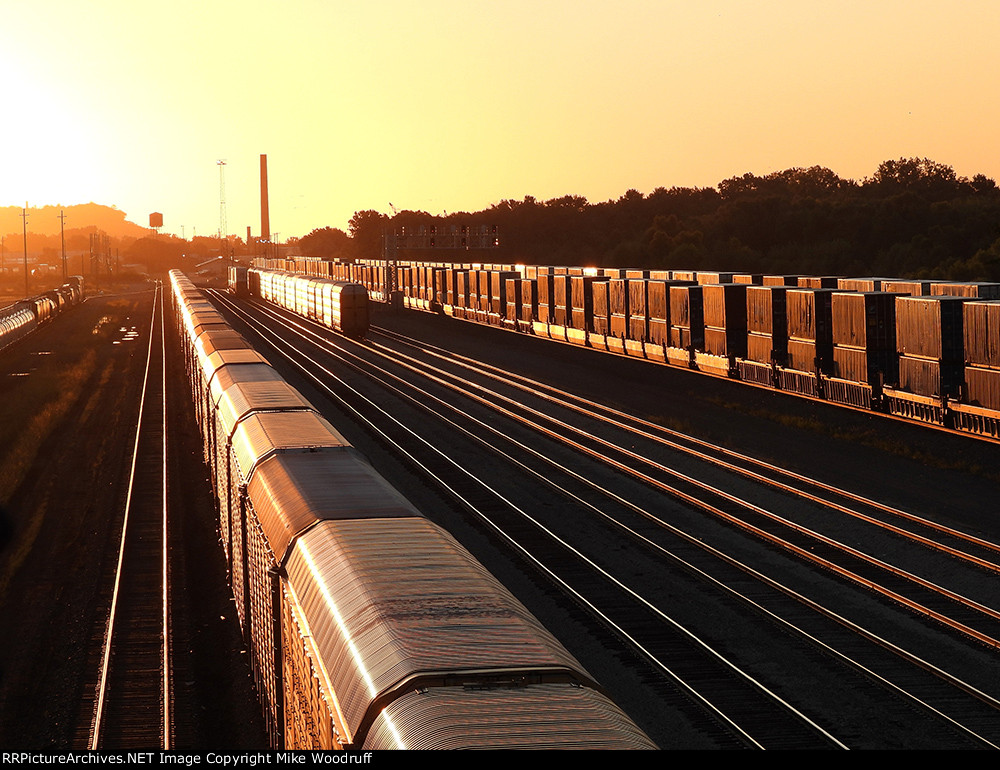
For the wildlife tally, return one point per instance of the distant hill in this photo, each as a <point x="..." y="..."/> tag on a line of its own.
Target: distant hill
<point x="44" y="220"/>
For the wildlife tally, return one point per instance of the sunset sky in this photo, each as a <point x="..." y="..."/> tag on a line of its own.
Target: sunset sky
<point x="452" y="106"/>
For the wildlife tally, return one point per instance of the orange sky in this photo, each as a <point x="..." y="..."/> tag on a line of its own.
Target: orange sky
<point x="445" y="106"/>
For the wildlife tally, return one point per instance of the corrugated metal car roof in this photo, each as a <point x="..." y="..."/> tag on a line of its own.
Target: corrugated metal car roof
<point x="212" y="340"/>
<point x="225" y="377"/>
<point x="220" y="358"/>
<point x="263" y="434"/>
<point x="242" y="398"/>
<point x="291" y="492"/>
<point x="390" y="602"/>
<point x="541" y="716"/>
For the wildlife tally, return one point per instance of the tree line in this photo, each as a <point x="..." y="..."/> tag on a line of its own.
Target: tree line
<point x="913" y="218"/>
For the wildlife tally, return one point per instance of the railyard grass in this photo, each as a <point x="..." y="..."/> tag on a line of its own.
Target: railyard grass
<point x="36" y="399"/>
<point x="31" y="414"/>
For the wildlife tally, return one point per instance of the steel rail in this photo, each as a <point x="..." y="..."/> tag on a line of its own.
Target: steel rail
<point x="281" y="349"/>
<point x="826" y="612"/>
<point x="990" y="700"/>
<point x="587" y="407"/>
<point x="167" y="652"/>
<point x="889" y="646"/>
<point x="108" y="647"/>
<point x="955" y="681"/>
<point x="560" y="436"/>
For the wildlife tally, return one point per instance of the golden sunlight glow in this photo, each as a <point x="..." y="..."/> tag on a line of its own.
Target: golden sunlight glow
<point x="338" y="618"/>
<point x="395" y="733"/>
<point x="355" y="654"/>
<point x="51" y="163"/>
<point x="452" y="106"/>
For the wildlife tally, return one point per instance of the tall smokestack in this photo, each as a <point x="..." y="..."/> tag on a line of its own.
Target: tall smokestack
<point x="265" y="222"/>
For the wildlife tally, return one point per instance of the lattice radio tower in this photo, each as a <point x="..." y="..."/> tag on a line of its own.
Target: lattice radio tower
<point x="222" y="198"/>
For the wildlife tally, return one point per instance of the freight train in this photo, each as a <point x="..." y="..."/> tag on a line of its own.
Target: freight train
<point x="338" y="305"/>
<point x="922" y="350"/>
<point x="20" y="319"/>
<point x="367" y="625"/>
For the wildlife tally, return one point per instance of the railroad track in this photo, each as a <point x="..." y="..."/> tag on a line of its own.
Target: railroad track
<point x="132" y="704"/>
<point x="837" y="498"/>
<point x="796" y="536"/>
<point x="902" y="676"/>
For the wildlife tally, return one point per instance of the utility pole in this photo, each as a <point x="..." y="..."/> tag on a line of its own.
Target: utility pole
<point x="98" y="254"/>
<point x="24" y="217"/>
<point x="390" y="254"/>
<point x="62" y="233"/>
